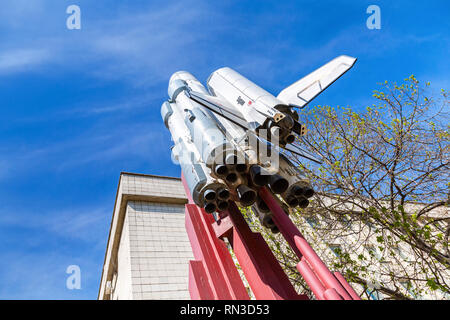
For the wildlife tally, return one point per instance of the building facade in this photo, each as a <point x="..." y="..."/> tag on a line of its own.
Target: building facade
<point x="148" y="251"/>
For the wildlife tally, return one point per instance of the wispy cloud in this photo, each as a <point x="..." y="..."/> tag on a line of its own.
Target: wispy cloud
<point x="141" y="47"/>
<point x="133" y="103"/>
<point x="33" y="266"/>
<point x="74" y="223"/>
<point x="22" y="60"/>
<point x="101" y="145"/>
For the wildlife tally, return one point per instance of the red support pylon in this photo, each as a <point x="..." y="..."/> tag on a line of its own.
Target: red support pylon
<point x="213" y="275"/>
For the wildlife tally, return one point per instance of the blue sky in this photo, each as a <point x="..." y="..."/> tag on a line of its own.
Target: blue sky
<point x="80" y="106"/>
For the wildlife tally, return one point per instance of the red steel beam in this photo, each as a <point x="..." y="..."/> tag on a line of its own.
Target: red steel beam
<point x="301" y="247"/>
<point x="219" y="274"/>
<point x="262" y="270"/>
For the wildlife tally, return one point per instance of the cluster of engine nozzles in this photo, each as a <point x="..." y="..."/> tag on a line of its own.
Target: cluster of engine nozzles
<point x="284" y="128"/>
<point x="242" y="184"/>
<point x="216" y="199"/>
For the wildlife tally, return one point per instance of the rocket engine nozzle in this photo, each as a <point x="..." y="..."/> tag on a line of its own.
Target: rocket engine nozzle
<point x="261" y="205"/>
<point x="297" y="191"/>
<point x="221" y="170"/>
<point x="246" y="195"/>
<point x="308" y="192"/>
<point x="241" y="167"/>
<point x="223" y="194"/>
<point x="233" y="163"/>
<point x="210" y="195"/>
<point x="231" y="177"/>
<point x="292" y="201"/>
<point x="259" y="176"/>
<point x="303" y="202"/>
<point x="231" y="159"/>
<point x="287" y="122"/>
<point x="290" y="138"/>
<point x="210" y="207"/>
<point x="223" y="205"/>
<point x="278" y="184"/>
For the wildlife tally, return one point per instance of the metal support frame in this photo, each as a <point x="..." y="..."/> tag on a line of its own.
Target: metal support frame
<point x="213" y="274"/>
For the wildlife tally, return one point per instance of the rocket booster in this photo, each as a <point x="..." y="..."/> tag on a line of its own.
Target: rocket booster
<point x="216" y="159"/>
<point x="227" y="137"/>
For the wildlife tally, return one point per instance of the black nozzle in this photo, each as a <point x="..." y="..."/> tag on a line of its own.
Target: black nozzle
<point x="210" y="207"/>
<point x="264" y="216"/>
<point x="274" y="229"/>
<point x="287" y="122"/>
<point x="222" y="205"/>
<point x="223" y="194"/>
<point x="268" y="222"/>
<point x="210" y="195"/>
<point x="278" y="184"/>
<point x="292" y="201"/>
<point x="290" y="138"/>
<point x="259" y="176"/>
<point x="297" y="191"/>
<point x="246" y="195"/>
<point x="241" y="167"/>
<point x="303" y="202"/>
<point x="309" y="192"/>
<point x="231" y="177"/>
<point x="262" y="206"/>
<point x="221" y="170"/>
<point x="297" y="128"/>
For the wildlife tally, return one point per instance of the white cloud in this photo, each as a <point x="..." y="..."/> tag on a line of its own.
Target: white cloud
<point x="77" y="223"/>
<point x="105" y="143"/>
<point x="141" y="47"/>
<point x="22" y="59"/>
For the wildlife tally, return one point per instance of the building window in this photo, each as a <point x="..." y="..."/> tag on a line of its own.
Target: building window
<point x="373" y="251"/>
<point x="441" y="225"/>
<point x="408" y="286"/>
<point x="399" y="252"/>
<point x="337" y="249"/>
<point x="373" y="294"/>
<point x="345" y="220"/>
<point x="312" y="221"/>
<point x="369" y="223"/>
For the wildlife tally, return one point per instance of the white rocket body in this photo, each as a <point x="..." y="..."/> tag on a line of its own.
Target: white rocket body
<point x="221" y="135"/>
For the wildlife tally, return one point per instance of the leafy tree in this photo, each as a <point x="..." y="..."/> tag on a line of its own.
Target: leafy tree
<point x="384" y="183"/>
